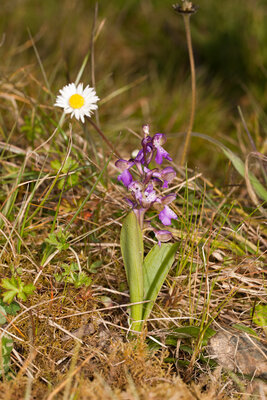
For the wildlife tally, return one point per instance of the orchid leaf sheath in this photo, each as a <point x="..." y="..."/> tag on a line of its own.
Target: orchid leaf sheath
<point x="132" y="253"/>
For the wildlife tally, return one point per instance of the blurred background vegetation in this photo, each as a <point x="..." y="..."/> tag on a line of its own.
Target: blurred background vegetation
<point x="142" y="44"/>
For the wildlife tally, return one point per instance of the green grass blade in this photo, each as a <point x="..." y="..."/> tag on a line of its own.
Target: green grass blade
<point x="238" y="164"/>
<point x="240" y="167"/>
<point x="156" y="267"/>
<point x="132" y="253"/>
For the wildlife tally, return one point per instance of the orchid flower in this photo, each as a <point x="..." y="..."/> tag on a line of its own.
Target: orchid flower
<point x="145" y="192"/>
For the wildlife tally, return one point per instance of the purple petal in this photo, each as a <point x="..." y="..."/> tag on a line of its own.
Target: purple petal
<point x="159" y="139"/>
<point x="151" y="173"/>
<point x="140" y="156"/>
<point x="165" y="184"/>
<point x="147" y="150"/>
<point x="161" y="153"/>
<point x="123" y="164"/>
<point x="130" y="202"/>
<point x="145" y="155"/>
<point x="149" y="196"/>
<point x="150" y="189"/>
<point x="136" y="188"/>
<point x="126" y="178"/>
<point x="147" y="141"/>
<point x="168" y="199"/>
<point x="166" y="215"/>
<point x="168" y="174"/>
<point x="163" y="236"/>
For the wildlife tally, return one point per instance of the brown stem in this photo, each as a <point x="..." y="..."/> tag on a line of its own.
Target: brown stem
<point x="92" y="58"/>
<point x="186" y="18"/>
<point x="103" y="137"/>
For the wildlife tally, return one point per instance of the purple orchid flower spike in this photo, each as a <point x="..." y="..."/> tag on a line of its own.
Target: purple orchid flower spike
<point x="125" y="177"/>
<point x="158" y="140"/>
<point x="145" y="188"/>
<point x="166" y="215"/>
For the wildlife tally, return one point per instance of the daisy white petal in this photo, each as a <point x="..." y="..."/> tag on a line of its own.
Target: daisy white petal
<point x="77" y="101"/>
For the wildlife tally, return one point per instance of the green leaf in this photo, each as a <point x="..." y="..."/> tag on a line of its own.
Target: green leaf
<point x="59" y="240"/>
<point x="2" y="315"/>
<point x="55" y="164"/>
<point x="244" y="328"/>
<point x="260" y="315"/>
<point x="238" y="164"/>
<point x="10" y="309"/>
<point x="81" y="279"/>
<point x="156" y="267"/>
<point x="132" y="253"/>
<point x="95" y="266"/>
<point x="15" y="287"/>
<point x="12" y="289"/>
<point x="240" y="167"/>
<point x="6" y="349"/>
<point x="10" y="284"/>
<point x="185" y="332"/>
<point x="29" y="289"/>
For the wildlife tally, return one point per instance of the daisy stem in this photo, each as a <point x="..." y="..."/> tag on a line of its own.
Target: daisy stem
<point x="186" y="18"/>
<point x="103" y="137"/>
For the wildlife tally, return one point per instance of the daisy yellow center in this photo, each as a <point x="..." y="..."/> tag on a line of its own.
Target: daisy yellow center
<point x="76" y="101"/>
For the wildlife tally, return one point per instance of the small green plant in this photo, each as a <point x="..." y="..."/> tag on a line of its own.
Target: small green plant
<point x="32" y="128"/>
<point x="6" y="309"/>
<point x="94" y="267"/>
<point x="71" y="274"/>
<point x="5" y="353"/>
<point x="16" y="288"/>
<point x="6" y="341"/>
<point x="68" y="168"/>
<point x="59" y="240"/>
<point x="259" y="315"/>
<point x="146" y="276"/>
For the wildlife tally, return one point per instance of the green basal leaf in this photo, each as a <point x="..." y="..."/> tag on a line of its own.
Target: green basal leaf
<point x="132" y="253"/>
<point x="260" y="315"/>
<point x="6" y="349"/>
<point x="29" y="289"/>
<point x="10" y="309"/>
<point x="55" y="164"/>
<point x="15" y="287"/>
<point x="9" y="296"/>
<point x="95" y="266"/>
<point x="244" y="328"/>
<point x="2" y="315"/>
<point x="156" y="267"/>
<point x="191" y="332"/>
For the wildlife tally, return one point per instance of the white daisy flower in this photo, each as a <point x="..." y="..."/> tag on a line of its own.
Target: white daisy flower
<point x="77" y="101"/>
